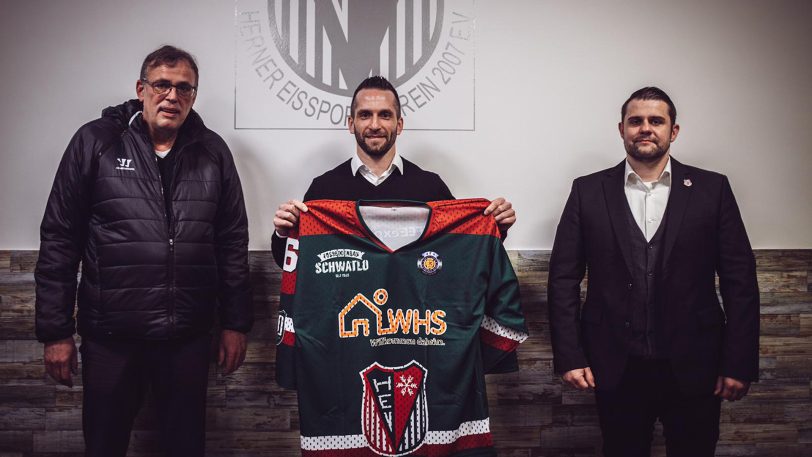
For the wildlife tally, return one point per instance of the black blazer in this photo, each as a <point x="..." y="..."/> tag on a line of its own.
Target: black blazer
<point x="704" y="237"/>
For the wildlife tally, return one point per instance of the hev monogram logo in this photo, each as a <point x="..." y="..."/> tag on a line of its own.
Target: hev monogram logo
<point x="394" y="410"/>
<point x="299" y="61"/>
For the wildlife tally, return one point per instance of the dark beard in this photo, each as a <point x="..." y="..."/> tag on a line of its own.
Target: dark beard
<point x="646" y="157"/>
<point x="359" y="138"/>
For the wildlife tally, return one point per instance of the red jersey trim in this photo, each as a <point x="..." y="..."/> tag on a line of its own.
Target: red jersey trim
<point x="498" y="342"/>
<point x="461" y="217"/>
<point x="330" y="217"/>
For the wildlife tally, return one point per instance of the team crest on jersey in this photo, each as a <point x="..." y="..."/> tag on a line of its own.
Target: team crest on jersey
<point x="429" y="263"/>
<point x="394" y="411"/>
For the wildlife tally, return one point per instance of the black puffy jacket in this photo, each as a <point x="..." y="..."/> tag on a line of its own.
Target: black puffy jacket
<point x="142" y="277"/>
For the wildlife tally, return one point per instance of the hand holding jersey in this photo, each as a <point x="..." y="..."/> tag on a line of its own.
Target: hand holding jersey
<point x="504" y="214"/>
<point x="286" y="217"/>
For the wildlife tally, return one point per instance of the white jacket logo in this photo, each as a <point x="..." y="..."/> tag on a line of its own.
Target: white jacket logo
<point x="124" y="164"/>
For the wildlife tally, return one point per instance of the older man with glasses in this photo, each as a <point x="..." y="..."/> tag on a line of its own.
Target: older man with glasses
<point x="148" y="200"/>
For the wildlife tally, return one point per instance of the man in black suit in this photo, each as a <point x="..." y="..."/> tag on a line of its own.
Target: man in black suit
<point x="651" y="338"/>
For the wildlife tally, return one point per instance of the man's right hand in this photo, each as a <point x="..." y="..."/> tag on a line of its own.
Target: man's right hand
<point x="580" y="378"/>
<point x="62" y="359"/>
<point x="287" y="216"/>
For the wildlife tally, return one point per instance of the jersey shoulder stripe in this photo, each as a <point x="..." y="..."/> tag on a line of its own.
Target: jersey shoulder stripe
<point x="461" y="217"/>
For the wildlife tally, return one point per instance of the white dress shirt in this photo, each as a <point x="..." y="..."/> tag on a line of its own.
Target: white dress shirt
<point x="359" y="167"/>
<point x="647" y="200"/>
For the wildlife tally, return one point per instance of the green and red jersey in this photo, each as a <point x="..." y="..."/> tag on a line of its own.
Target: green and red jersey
<point x="391" y="313"/>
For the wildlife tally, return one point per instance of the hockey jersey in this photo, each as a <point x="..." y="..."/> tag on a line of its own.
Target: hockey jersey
<point x="390" y="315"/>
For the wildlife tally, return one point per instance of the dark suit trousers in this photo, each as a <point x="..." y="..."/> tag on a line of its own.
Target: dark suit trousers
<point x="647" y="392"/>
<point x="115" y="376"/>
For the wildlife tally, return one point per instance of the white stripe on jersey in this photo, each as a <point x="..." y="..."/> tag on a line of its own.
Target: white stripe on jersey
<point x="490" y="324"/>
<point x="319" y="443"/>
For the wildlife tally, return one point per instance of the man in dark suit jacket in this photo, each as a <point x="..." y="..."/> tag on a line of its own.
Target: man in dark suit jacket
<point x="651" y="337"/>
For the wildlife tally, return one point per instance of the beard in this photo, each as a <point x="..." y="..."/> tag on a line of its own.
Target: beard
<point x="375" y="151"/>
<point x="649" y="155"/>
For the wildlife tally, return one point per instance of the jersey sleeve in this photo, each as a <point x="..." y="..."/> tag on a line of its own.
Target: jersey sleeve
<point x="285" y="329"/>
<point x="503" y="327"/>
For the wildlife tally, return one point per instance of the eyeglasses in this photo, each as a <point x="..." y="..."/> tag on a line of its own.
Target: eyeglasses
<point x="162" y="87"/>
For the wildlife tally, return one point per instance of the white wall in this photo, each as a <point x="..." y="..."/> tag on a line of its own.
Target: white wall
<point x="550" y="79"/>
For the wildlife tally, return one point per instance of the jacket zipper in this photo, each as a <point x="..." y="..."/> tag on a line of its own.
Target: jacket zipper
<point x="170" y="267"/>
<point x="171" y="229"/>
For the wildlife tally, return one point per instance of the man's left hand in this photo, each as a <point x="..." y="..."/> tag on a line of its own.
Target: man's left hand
<point x="232" y="350"/>
<point x="731" y="389"/>
<point x="504" y="214"/>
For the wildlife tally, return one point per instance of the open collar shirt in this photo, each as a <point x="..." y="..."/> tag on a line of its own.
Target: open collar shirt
<point x="647" y="200"/>
<point x="359" y="167"/>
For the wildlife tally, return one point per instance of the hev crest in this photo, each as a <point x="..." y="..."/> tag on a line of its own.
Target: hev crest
<point x="394" y="411"/>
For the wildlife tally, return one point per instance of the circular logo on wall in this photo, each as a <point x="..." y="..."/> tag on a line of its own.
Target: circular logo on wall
<point x="429" y="263"/>
<point x="299" y="61"/>
<point x="334" y="46"/>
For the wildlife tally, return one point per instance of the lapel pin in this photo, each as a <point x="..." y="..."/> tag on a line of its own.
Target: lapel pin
<point x="687" y="182"/>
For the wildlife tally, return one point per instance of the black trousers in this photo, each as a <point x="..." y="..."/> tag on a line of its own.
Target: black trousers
<point x="115" y="376"/>
<point x="647" y="392"/>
